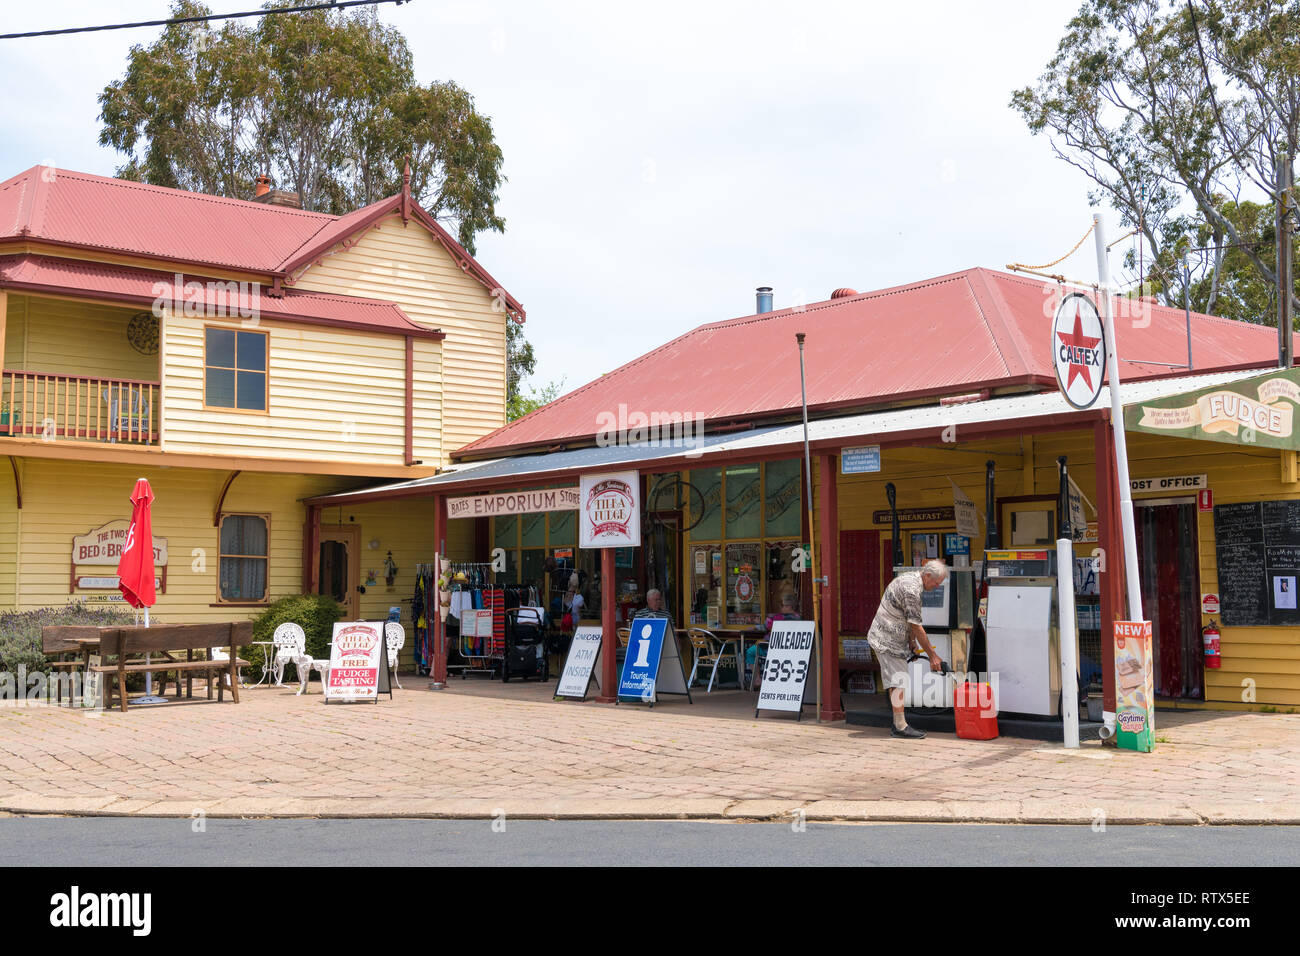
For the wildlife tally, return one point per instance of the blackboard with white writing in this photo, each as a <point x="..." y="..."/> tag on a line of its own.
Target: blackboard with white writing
<point x="1257" y="549"/>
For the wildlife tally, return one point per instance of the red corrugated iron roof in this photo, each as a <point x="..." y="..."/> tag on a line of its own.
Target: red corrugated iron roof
<point x="50" y="275"/>
<point x="98" y="212"/>
<point x="945" y="336"/>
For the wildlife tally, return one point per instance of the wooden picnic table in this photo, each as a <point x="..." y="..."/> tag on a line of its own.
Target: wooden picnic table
<point x="133" y="648"/>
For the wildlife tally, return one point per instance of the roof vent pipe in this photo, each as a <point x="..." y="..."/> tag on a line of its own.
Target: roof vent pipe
<point x="764" y="297"/>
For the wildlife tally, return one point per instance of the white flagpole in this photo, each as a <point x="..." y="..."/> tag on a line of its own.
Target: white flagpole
<point x="1117" y="426"/>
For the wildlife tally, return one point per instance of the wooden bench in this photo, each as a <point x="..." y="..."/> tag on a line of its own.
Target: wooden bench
<point x="129" y="645"/>
<point x="59" y="641"/>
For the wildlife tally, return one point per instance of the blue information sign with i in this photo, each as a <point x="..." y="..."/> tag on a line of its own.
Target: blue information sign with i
<point x="645" y="647"/>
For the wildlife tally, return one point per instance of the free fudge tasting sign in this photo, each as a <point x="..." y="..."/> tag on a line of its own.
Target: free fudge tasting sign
<point x="610" y="510"/>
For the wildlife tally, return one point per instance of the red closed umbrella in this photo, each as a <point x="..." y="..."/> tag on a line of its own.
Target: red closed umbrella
<point x="135" y="567"/>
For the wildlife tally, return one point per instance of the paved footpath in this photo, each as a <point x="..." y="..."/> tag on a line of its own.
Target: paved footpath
<point x="479" y="749"/>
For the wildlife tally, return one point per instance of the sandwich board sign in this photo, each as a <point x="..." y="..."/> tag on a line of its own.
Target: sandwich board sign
<point x="584" y="650"/>
<point x="785" y="673"/>
<point x="358" y="662"/>
<point x="650" y="646"/>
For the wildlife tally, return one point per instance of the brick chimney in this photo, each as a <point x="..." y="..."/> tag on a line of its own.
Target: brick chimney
<point x="263" y="193"/>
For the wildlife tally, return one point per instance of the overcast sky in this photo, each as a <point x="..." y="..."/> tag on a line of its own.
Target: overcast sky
<point x="663" y="160"/>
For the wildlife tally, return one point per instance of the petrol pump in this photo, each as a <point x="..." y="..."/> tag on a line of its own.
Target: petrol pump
<point x="1023" y="649"/>
<point x="1022" y="627"/>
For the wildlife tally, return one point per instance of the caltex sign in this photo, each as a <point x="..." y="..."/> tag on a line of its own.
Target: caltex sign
<point x="1078" y="350"/>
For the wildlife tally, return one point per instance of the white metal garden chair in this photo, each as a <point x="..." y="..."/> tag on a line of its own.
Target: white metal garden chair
<point x="290" y="642"/>
<point x="395" y="639"/>
<point x="306" y="664"/>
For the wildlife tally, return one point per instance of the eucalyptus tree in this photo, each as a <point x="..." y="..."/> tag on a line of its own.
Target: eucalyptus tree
<point x="1177" y="112"/>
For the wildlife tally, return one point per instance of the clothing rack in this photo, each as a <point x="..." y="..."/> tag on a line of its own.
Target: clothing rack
<point x="483" y="653"/>
<point x="424" y="610"/>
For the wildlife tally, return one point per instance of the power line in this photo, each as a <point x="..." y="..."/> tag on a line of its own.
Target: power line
<point x="332" y="5"/>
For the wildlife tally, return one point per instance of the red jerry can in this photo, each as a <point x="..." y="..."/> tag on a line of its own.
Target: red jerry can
<point x="975" y="714"/>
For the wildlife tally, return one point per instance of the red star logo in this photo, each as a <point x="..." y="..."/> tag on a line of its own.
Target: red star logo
<point x="1077" y="340"/>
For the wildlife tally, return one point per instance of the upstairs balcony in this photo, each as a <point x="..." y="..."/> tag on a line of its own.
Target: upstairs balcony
<point x="79" y="371"/>
<point x="79" y="408"/>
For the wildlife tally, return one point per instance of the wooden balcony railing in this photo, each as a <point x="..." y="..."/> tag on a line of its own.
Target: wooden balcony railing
<point x="77" y="407"/>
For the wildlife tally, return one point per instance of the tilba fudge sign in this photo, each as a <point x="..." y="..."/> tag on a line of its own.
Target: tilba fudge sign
<point x="611" y="510"/>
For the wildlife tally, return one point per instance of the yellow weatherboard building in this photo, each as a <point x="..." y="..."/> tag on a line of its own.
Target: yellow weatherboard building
<point x="243" y="356"/>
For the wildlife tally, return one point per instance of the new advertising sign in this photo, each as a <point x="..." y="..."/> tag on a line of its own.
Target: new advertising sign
<point x="609" y="512"/>
<point x="785" y="673"/>
<point x="1135" y="701"/>
<point x="358" y="662"/>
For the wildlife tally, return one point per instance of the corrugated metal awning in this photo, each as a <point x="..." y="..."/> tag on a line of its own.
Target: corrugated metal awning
<point x="1010" y="415"/>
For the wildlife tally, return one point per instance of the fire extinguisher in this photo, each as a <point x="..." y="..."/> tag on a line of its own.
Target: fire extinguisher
<point x="1210" y="636"/>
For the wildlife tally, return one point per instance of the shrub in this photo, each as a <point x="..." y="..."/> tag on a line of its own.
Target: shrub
<point x="20" y="631"/>
<point x="314" y="613"/>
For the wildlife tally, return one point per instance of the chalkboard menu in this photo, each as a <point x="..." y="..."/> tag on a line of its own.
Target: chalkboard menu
<point x="1257" y="547"/>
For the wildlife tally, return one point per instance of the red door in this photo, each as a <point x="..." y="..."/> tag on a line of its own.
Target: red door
<point x="859" y="580"/>
<point x="1167" y="550"/>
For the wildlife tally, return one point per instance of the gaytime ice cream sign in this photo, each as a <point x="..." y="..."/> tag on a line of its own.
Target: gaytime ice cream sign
<point x="610" y="510"/>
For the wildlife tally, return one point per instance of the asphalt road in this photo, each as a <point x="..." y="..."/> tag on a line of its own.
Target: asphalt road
<point x="119" y="841"/>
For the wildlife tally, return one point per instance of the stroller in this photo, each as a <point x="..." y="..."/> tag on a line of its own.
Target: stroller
<point x="525" y="645"/>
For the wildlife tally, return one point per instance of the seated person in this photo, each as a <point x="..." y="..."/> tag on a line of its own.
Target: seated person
<point x="654" y="607"/>
<point x="788" y="612"/>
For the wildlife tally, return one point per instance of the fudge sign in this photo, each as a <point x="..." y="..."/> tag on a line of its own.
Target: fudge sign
<point x="610" y="510"/>
<point x="1078" y="350"/>
<point x="355" y="658"/>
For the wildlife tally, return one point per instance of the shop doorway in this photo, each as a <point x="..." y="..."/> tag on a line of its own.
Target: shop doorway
<point x="1167" y="566"/>
<point x="662" y="560"/>
<point x="339" y="547"/>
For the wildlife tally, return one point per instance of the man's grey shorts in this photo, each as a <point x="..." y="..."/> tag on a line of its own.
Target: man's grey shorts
<point x="893" y="667"/>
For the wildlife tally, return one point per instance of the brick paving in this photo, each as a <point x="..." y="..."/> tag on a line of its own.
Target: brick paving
<point x="479" y="748"/>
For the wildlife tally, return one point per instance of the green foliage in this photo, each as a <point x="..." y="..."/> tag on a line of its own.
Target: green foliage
<point x="1178" y="113"/>
<point x="315" y="613"/>
<point x="20" y="631"/>
<point x="520" y="405"/>
<point x="521" y="363"/>
<point x="324" y="102"/>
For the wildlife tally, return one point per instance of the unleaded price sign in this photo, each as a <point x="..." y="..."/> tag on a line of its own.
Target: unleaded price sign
<point x="785" y="674"/>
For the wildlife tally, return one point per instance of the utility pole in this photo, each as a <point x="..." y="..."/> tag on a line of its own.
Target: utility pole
<point x="1285" y="282"/>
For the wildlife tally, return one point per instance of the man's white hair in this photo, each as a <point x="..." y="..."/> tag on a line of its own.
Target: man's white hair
<point x="936" y="569"/>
